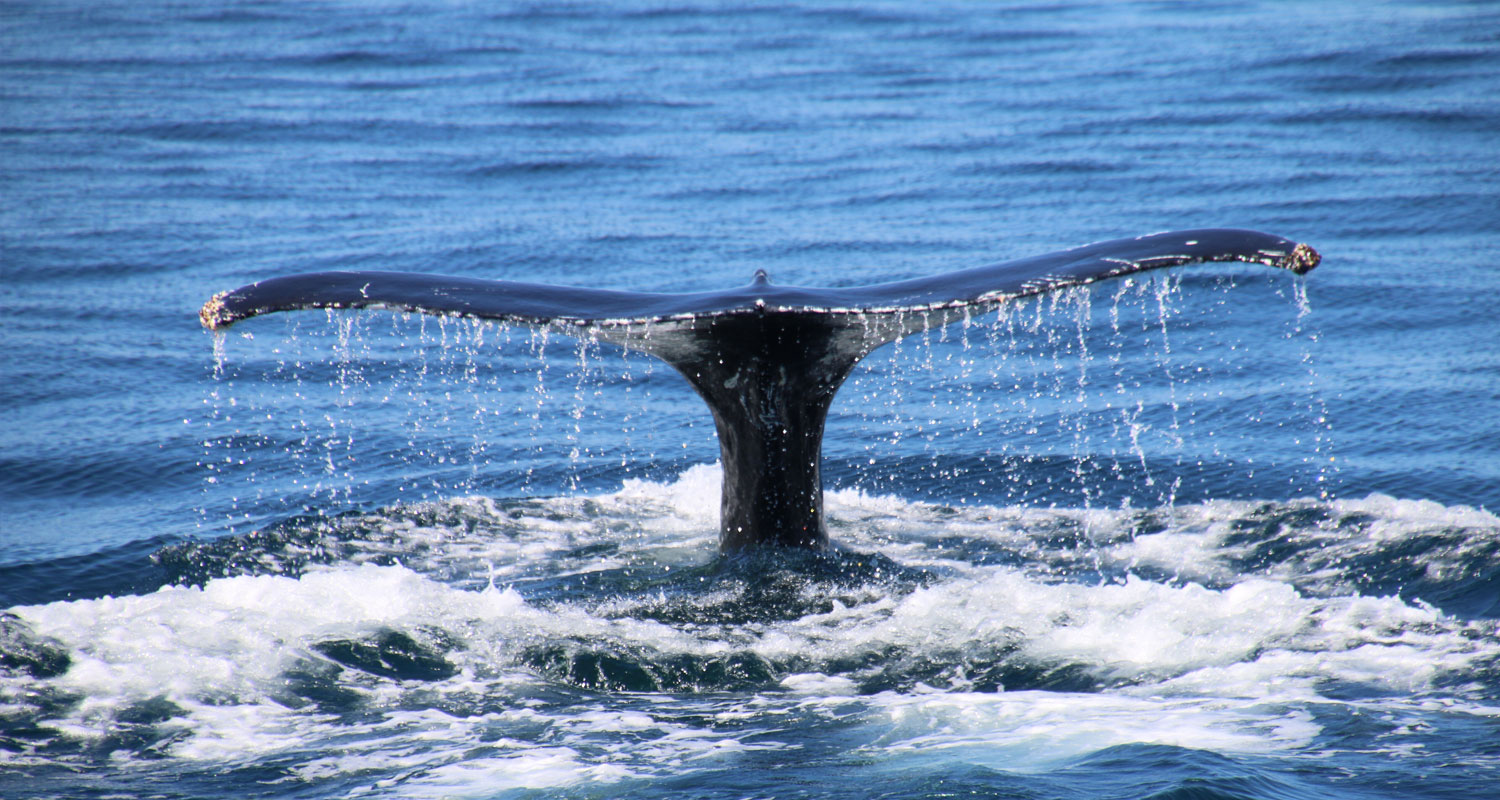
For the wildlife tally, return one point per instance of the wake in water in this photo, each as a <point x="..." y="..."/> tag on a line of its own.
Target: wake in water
<point x="470" y="646"/>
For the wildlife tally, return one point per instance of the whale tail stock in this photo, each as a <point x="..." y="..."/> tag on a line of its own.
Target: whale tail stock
<point x="767" y="359"/>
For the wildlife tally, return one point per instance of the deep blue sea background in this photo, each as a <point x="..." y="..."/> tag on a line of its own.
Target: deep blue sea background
<point x="1224" y="533"/>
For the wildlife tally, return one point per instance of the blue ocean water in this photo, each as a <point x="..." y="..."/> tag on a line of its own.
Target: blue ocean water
<point x="1222" y="533"/>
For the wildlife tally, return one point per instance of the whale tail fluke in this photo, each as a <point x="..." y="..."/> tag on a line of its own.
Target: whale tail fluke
<point x="768" y="359"/>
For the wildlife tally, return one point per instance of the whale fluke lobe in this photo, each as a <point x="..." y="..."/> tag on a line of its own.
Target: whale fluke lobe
<point x="768" y="359"/>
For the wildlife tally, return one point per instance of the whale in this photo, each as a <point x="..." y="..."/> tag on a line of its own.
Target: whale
<point x="766" y="358"/>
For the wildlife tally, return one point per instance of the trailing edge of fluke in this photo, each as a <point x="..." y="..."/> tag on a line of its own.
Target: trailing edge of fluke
<point x="767" y="358"/>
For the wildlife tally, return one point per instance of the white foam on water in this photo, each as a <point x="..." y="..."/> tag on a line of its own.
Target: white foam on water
<point x="817" y="684"/>
<point x="1207" y="542"/>
<point x="220" y="654"/>
<point x="1230" y="665"/>
<point x="1197" y="544"/>
<point x="1391" y="511"/>
<point x="533" y="768"/>
<point x="1033" y="731"/>
<point x="220" y="651"/>
<point x="461" y="757"/>
<point x="1142" y="631"/>
<point x="691" y="501"/>
<point x="676" y="523"/>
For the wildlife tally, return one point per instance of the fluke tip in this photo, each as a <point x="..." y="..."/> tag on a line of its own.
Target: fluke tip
<point x="214" y="315"/>
<point x="1302" y="259"/>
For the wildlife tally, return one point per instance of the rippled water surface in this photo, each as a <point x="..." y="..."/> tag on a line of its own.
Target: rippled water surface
<point x="1220" y="533"/>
